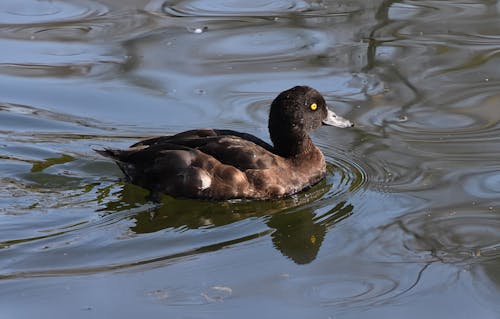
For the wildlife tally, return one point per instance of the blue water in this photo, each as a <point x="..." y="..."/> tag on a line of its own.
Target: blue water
<point x="406" y="224"/>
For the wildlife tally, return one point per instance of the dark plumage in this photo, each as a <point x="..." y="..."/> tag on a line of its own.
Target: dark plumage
<point x="225" y="164"/>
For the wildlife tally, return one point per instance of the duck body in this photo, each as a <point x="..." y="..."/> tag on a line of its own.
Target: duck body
<point x="225" y="164"/>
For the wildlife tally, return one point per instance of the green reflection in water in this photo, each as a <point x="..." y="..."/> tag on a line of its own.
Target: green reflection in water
<point x="40" y="166"/>
<point x="299" y="234"/>
<point x="296" y="229"/>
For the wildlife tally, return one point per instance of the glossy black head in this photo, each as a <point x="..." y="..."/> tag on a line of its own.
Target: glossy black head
<point x="294" y="114"/>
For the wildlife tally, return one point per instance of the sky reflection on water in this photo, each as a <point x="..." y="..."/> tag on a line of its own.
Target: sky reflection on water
<point x="406" y="223"/>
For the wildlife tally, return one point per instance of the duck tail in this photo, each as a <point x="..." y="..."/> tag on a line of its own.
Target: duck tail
<point x="116" y="155"/>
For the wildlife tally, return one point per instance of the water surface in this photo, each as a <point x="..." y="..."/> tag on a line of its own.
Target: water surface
<point x="406" y="224"/>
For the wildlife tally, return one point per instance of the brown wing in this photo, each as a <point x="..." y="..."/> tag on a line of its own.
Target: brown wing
<point x="241" y="150"/>
<point x="202" y="163"/>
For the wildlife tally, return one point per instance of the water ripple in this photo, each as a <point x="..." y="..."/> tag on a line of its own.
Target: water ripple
<point x="446" y="235"/>
<point x="464" y="126"/>
<point x="234" y="8"/>
<point x="270" y="43"/>
<point x="26" y="120"/>
<point x="434" y="10"/>
<point x="42" y="58"/>
<point x="18" y="12"/>
<point x="344" y="172"/>
<point x="355" y="284"/>
<point x="481" y="183"/>
<point x="360" y="289"/>
<point x="115" y="26"/>
<point x="455" y="236"/>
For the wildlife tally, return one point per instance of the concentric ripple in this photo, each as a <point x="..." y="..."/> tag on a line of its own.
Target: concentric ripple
<point x="233" y="7"/>
<point x="355" y="284"/>
<point x="18" y="12"/>
<point x="271" y="43"/>
<point x="42" y="58"/>
<point x="221" y="8"/>
<point x="456" y="235"/>
<point x="345" y="176"/>
<point x="16" y="118"/>
<point x="352" y="290"/>
<point x="433" y="10"/>
<point x="446" y="235"/>
<point x="448" y="131"/>
<point x="482" y="183"/>
<point x="114" y="25"/>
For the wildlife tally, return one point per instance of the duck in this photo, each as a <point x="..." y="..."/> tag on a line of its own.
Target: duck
<point x="222" y="164"/>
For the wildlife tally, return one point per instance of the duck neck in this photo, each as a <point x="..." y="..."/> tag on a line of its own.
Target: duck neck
<point x="292" y="146"/>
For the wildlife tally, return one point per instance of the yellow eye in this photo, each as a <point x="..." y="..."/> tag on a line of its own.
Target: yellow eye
<point x="313" y="106"/>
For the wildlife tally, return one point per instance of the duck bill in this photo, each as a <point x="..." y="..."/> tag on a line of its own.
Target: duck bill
<point x="335" y="120"/>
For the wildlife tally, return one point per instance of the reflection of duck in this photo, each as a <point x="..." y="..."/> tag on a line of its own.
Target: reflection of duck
<point x="224" y="164"/>
<point x="299" y="234"/>
<point x="296" y="232"/>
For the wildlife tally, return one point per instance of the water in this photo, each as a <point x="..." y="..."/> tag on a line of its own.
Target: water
<point x="406" y="223"/>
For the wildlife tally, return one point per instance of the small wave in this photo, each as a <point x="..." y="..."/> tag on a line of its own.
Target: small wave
<point x="448" y="235"/>
<point x="19" y="12"/>
<point x="115" y="26"/>
<point x="41" y="58"/>
<point x="260" y="8"/>
<point x="356" y="284"/>
<point x="481" y="183"/>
